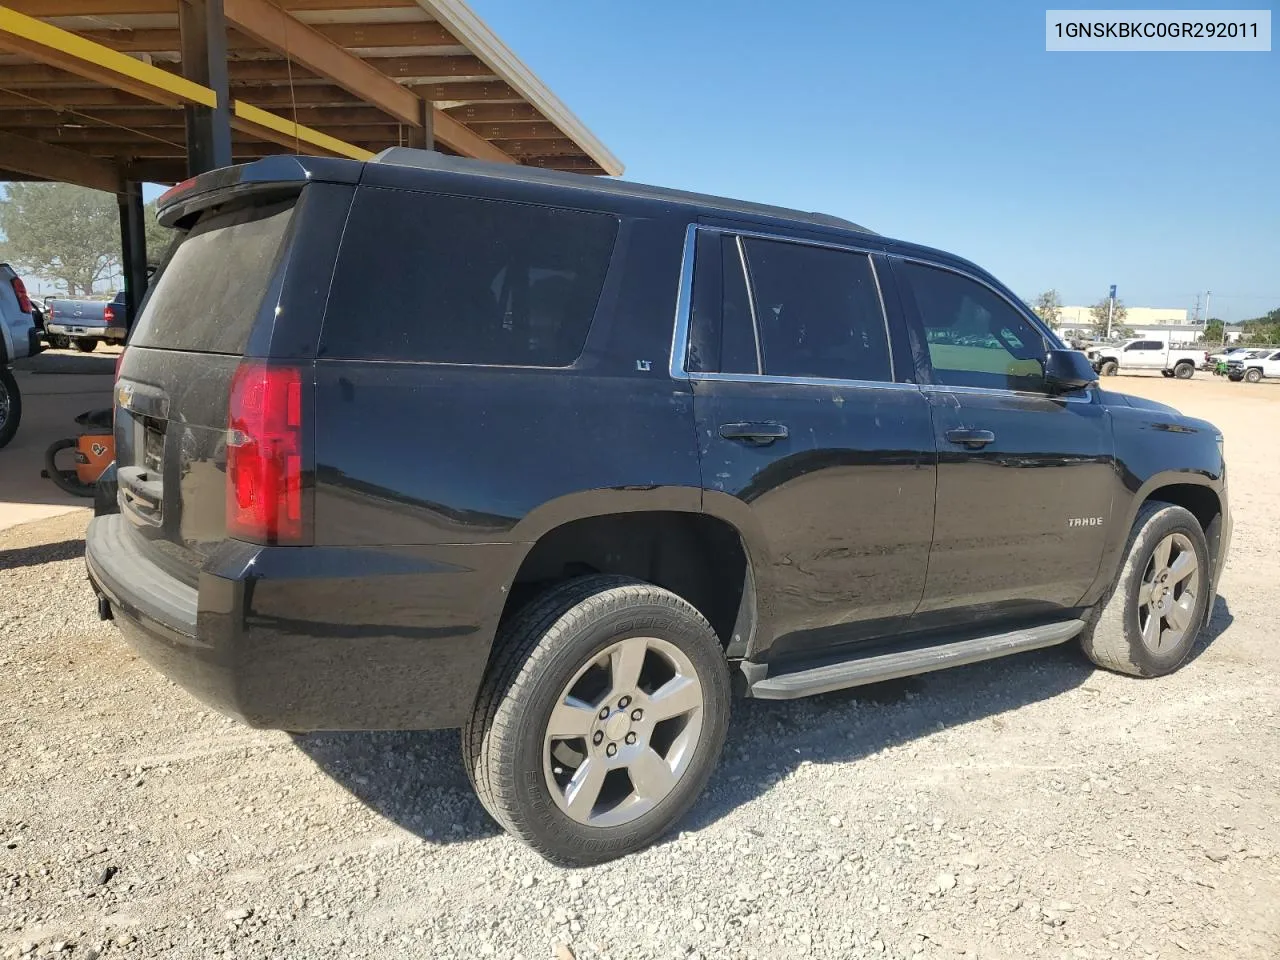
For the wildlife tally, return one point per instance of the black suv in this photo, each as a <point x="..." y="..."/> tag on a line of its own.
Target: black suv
<point x="607" y="455"/>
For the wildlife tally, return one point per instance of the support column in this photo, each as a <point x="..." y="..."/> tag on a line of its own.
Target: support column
<point x="424" y="137"/>
<point x="204" y="60"/>
<point x="133" y="246"/>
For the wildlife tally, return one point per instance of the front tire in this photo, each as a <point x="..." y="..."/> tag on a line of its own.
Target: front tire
<point x="10" y="406"/>
<point x="1109" y="368"/>
<point x="600" y="720"/>
<point x="1185" y="370"/>
<point x="1149" y="622"/>
<point x="1253" y="375"/>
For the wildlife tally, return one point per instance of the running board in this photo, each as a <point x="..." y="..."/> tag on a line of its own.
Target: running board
<point x="890" y="666"/>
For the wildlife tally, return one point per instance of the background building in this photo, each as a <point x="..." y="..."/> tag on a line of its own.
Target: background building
<point x="1165" y="316"/>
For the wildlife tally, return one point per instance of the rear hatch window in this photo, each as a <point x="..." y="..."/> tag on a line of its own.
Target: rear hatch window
<point x="207" y="297"/>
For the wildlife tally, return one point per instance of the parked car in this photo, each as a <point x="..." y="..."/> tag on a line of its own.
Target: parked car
<point x="86" y="323"/>
<point x="611" y="454"/>
<point x="18" y="338"/>
<point x="1254" y="365"/>
<point x="1142" y="354"/>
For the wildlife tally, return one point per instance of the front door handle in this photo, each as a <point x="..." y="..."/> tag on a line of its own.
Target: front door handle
<point x="756" y="434"/>
<point x="973" y="439"/>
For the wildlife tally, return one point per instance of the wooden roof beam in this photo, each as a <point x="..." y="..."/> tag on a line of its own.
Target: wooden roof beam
<point x="119" y="8"/>
<point x="55" y="47"/>
<point x="360" y="35"/>
<point x="46" y="162"/>
<point x="277" y="30"/>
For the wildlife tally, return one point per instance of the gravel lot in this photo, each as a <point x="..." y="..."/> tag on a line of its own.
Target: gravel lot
<point x="1030" y="807"/>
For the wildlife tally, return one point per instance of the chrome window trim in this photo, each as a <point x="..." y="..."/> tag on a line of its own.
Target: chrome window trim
<point x="684" y="316"/>
<point x="888" y="334"/>
<point x="1087" y="396"/>
<point x="684" y="312"/>
<point x="684" y="307"/>
<point x="802" y="381"/>
<point x="751" y="301"/>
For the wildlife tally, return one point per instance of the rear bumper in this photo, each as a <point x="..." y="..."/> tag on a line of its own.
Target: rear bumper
<point x="112" y="334"/>
<point x="312" y="638"/>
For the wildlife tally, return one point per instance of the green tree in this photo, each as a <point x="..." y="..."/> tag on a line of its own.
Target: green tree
<point x="1213" y="331"/>
<point x="158" y="237"/>
<point x="1048" y="307"/>
<point x="1263" y="329"/>
<point x="61" y="232"/>
<point x="1099" y="313"/>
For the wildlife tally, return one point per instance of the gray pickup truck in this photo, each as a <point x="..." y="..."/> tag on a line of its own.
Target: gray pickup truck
<point x="85" y="323"/>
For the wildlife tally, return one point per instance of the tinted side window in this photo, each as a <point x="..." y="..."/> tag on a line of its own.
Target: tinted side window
<point x="425" y="277"/>
<point x="722" y="333"/>
<point x="975" y="338"/>
<point x="738" y="343"/>
<point x="818" y="312"/>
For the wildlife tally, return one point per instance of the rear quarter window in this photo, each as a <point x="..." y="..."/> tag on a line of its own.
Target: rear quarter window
<point x="208" y="295"/>
<point x="434" y="278"/>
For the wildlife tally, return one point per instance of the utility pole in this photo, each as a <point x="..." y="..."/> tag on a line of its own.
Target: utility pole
<point x="1111" y="309"/>
<point x="1195" y="314"/>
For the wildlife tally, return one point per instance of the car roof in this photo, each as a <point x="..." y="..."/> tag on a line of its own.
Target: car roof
<point x="431" y="160"/>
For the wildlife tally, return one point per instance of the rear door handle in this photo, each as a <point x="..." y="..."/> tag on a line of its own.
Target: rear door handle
<point x="756" y="434"/>
<point x="973" y="439"/>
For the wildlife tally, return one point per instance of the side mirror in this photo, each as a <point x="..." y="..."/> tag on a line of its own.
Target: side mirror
<point x="1066" y="370"/>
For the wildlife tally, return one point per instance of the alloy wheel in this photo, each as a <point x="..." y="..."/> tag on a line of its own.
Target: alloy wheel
<point x="623" y="732"/>
<point x="4" y="405"/>
<point x="1168" y="594"/>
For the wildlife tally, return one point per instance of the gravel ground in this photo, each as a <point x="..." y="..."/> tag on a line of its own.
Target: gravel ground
<point x="1030" y="807"/>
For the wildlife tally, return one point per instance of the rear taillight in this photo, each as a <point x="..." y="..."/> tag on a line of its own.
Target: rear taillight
<point x="264" y="454"/>
<point x="20" y="291"/>
<point x="108" y="315"/>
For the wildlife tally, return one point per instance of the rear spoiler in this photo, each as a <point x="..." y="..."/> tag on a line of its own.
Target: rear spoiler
<point x="284" y="173"/>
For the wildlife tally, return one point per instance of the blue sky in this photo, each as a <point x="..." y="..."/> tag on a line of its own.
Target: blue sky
<point x="942" y="123"/>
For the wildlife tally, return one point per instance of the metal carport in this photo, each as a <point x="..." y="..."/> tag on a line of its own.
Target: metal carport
<point x="109" y="94"/>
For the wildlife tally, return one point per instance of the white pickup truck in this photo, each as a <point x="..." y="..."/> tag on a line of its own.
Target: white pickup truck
<point x="1139" y="354"/>
<point x="1251" y="367"/>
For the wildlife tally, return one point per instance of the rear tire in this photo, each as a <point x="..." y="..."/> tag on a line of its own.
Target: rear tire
<point x="10" y="406"/>
<point x="1253" y="375"/>
<point x="566" y="657"/>
<point x="1109" y="368"/>
<point x="58" y="342"/>
<point x="1149" y="621"/>
<point x="1184" y="370"/>
<point x="86" y="346"/>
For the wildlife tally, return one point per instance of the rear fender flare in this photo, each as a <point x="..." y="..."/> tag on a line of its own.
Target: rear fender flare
<point x="584" y="505"/>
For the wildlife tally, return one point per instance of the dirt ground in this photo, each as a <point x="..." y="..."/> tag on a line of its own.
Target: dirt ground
<point x="1025" y="808"/>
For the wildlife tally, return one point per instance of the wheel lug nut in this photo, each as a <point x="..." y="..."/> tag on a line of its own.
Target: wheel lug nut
<point x="604" y="713"/>
<point x="623" y="703"/>
<point x="637" y="713"/>
<point x="631" y="738"/>
<point x="611" y="749"/>
<point x="598" y="738"/>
